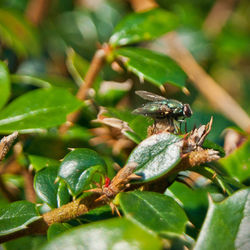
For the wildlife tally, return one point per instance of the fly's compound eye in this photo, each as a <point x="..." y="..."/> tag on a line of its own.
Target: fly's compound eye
<point x="187" y="111"/>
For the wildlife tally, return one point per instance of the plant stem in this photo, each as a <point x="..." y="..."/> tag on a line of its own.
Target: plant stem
<point x="216" y="95"/>
<point x="36" y="10"/>
<point x="94" y="68"/>
<point x="218" y="16"/>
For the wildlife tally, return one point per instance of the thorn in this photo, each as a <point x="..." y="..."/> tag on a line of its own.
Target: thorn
<point x="134" y="177"/>
<point x="116" y="166"/>
<point x="57" y="179"/>
<point x="185" y="91"/>
<point x="163" y="89"/>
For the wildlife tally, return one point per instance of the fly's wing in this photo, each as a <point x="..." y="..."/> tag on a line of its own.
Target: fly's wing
<point x="149" y="96"/>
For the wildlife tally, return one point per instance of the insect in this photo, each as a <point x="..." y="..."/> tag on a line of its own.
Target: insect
<point x="161" y="108"/>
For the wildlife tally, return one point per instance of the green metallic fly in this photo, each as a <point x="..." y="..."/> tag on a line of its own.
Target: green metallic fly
<point x="160" y="108"/>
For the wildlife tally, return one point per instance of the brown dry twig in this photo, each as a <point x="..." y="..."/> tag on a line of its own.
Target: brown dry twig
<point x="118" y="184"/>
<point x="216" y="95"/>
<point x="6" y="143"/>
<point x="94" y="68"/>
<point x="218" y="16"/>
<point x="111" y="133"/>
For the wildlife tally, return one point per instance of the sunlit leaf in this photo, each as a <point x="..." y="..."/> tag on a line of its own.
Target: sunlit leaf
<point x="152" y="66"/>
<point x="38" y="109"/>
<point x="156" y="156"/>
<point x="143" y="26"/>
<point x="158" y="212"/>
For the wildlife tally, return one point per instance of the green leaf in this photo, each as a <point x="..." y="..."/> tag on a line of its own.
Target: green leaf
<point x="4" y="84"/>
<point x="79" y="168"/>
<point x="56" y="229"/>
<point x="24" y="243"/>
<point x="211" y="145"/>
<point x="237" y="164"/>
<point x="40" y="162"/>
<point x="38" y="109"/>
<point x="193" y="201"/>
<point x="157" y="212"/>
<point x="151" y="66"/>
<point x="227" y="224"/>
<point x="45" y="81"/>
<point x="156" y="156"/>
<point x="45" y="186"/>
<point x="16" y="33"/>
<point x="63" y="196"/>
<point x="143" y="26"/>
<point x="17" y="216"/>
<point x="78" y="67"/>
<point x="115" y="233"/>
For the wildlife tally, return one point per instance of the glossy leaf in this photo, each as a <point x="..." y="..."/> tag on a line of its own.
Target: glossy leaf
<point x="109" y="234"/>
<point x="17" y="216"/>
<point x="63" y="196"/>
<point x="56" y="229"/>
<point x="156" y="156"/>
<point x="45" y="81"/>
<point x="237" y="164"/>
<point x="193" y="201"/>
<point x="4" y="84"/>
<point x="227" y="223"/>
<point x="45" y="186"/>
<point x="79" y="168"/>
<point x="38" y="109"/>
<point x="151" y="66"/>
<point x="158" y="212"/>
<point x="143" y="26"/>
<point x="16" y="33"/>
<point x="39" y="162"/>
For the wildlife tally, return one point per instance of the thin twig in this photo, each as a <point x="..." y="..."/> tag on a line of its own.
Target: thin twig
<point x="94" y="68"/>
<point x="36" y="10"/>
<point x="218" y="16"/>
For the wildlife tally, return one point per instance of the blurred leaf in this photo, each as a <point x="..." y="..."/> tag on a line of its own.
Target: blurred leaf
<point x="44" y="81"/>
<point x="218" y="177"/>
<point x="4" y="84"/>
<point x="24" y="243"/>
<point x="16" y="33"/>
<point x="227" y="223"/>
<point x="110" y="234"/>
<point x="39" y="162"/>
<point x="38" y="109"/>
<point x="77" y="66"/>
<point x="156" y="156"/>
<point x="155" y="211"/>
<point x="152" y="66"/>
<point x="17" y="216"/>
<point x="211" y="145"/>
<point x="45" y="186"/>
<point x="79" y="168"/>
<point x="237" y="164"/>
<point x="143" y="26"/>
<point x="56" y="229"/>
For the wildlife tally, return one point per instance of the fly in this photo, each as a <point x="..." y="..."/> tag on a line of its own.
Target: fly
<point x="162" y="109"/>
